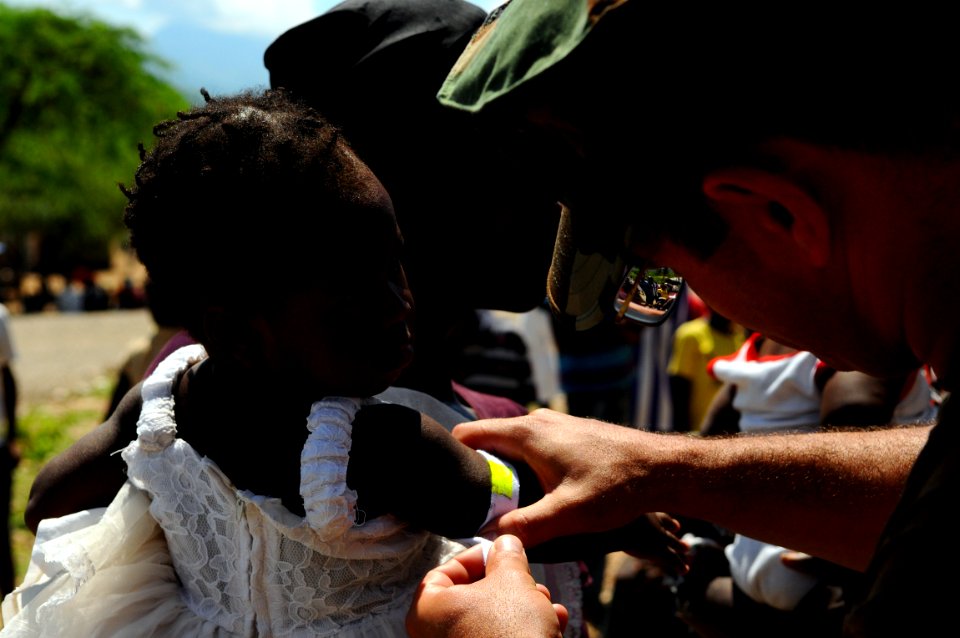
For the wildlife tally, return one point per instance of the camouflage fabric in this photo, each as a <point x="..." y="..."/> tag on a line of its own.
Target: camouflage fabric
<point x="519" y="40"/>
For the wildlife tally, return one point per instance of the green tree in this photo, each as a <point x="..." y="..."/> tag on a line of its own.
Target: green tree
<point x="76" y="97"/>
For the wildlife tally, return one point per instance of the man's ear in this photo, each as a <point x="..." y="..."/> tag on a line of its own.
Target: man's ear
<point x="774" y="202"/>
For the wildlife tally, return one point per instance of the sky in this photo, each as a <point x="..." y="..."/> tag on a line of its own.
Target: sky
<point x="214" y="44"/>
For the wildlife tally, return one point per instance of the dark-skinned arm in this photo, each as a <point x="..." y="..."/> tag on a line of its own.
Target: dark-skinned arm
<point x="853" y="398"/>
<point x="87" y="474"/>
<point x="680" y="391"/>
<point x="407" y="464"/>
<point x="721" y="416"/>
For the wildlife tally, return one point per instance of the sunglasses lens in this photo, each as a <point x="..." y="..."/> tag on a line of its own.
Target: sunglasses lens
<point x="647" y="296"/>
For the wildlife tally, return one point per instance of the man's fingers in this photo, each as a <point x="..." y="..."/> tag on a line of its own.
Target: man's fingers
<point x="490" y="435"/>
<point x="538" y="522"/>
<point x="563" y="616"/>
<point x="468" y="566"/>
<point x="464" y="568"/>
<point x="507" y="555"/>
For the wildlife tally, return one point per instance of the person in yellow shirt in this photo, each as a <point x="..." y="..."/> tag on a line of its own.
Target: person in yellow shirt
<point x="695" y="343"/>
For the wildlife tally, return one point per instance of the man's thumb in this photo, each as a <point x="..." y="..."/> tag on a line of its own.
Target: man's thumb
<point x="507" y="553"/>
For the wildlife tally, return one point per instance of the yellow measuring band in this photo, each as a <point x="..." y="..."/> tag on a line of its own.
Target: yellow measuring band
<point x="501" y="479"/>
<point x="504" y="492"/>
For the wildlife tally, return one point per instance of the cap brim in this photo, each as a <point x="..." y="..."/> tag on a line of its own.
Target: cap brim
<point x="513" y="58"/>
<point x="519" y="41"/>
<point x="587" y="269"/>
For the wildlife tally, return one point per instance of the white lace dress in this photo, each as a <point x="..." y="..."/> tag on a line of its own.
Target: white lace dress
<point x="182" y="552"/>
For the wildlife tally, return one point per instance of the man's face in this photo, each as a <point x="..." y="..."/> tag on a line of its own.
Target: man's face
<point x="808" y="308"/>
<point x="757" y="274"/>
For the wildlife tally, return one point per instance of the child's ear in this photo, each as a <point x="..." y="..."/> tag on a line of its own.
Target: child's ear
<point x="783" y="209"/>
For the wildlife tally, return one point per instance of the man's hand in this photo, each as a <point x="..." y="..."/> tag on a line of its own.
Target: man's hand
<point x="590" y="471"/>
<point x="464" y="599"/>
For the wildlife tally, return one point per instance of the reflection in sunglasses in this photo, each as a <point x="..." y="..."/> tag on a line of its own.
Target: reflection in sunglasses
<point x="647" y="296"/>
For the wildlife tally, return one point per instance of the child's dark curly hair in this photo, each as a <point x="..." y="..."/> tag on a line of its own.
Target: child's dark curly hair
<point x="234" y="198"/>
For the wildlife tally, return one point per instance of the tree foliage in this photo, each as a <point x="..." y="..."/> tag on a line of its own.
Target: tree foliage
<point x="76" y="97"/>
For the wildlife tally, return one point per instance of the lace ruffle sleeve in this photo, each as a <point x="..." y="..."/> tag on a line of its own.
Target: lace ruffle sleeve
<point x="330" y="505"/>
<point x="157" y="427"/>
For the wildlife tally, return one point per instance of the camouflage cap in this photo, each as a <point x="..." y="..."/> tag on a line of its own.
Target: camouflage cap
<point x="520" y="41"/>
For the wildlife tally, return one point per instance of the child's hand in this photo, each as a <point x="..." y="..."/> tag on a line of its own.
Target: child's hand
<point x="654" y="537"/>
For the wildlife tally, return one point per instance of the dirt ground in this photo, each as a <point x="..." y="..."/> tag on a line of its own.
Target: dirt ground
<point x="59" y="354"/>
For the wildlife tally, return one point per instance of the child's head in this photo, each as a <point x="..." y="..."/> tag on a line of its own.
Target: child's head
<point x="278" y="243"/>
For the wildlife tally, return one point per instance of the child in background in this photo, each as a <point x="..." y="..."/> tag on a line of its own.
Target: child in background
<point x="695" y="343"/>
<point x="763" y="589"/>
<point x="284" y="252"/>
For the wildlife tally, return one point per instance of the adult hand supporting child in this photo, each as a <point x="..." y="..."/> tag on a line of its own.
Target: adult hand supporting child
<point x="493" y="588"/>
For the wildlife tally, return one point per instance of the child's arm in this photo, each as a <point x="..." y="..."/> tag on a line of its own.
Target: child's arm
<point x="854" y="398"/>
<point x="86" y="474"/>
<point x="407" y="464"/>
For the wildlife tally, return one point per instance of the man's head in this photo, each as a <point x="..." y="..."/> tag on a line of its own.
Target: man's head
<point x="759" y="154"/>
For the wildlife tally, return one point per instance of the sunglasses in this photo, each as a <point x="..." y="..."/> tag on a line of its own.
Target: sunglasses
<point x="647" y="296"/>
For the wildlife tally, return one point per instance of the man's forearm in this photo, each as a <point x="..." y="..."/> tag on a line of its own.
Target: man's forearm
<point x="828" y="494"/>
